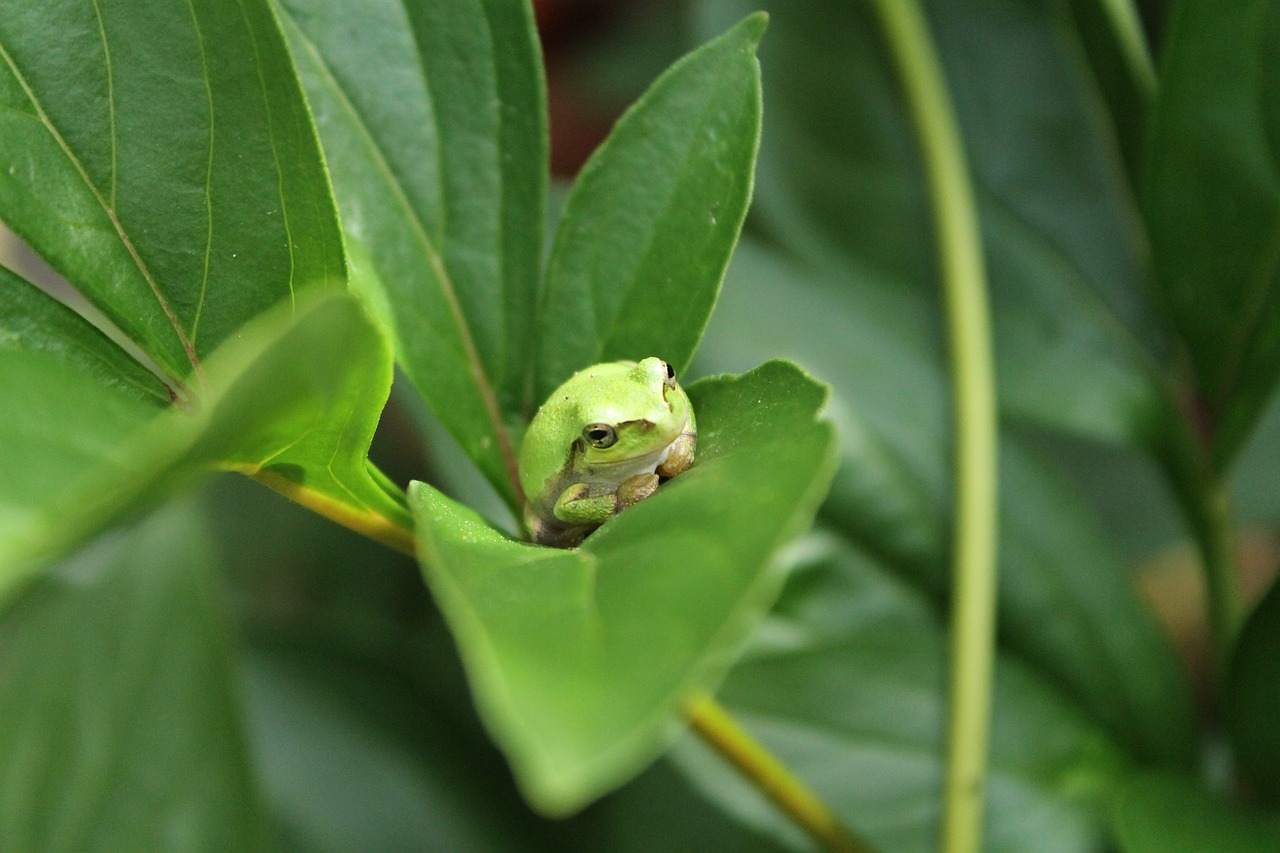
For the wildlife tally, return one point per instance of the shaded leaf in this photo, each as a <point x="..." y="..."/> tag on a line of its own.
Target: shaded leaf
<point x="579" y="659"/>
<point x="846" y="683"/>
<point x="1211" y="198"/>
<point x="1067" y="604"/>
<point x="840" y="187"/>
<point x="1253" y="699"/>
<point x="652" y="218"/>
<point x="433" y="120"/>
<point x="1158" y="814"/>
<point x="119" y="719"/>
<point x="160" y="156"/>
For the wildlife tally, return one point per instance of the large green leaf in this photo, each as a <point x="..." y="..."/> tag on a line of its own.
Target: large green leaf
<point x="840" y="185"/>
<point x="1253" y="699"/>
<point x="1162" y="814"/>
<point x="433" y="120"/>
<point x="651" y="220"/>
<point x="160" y="156"/>
<point x="579" y="658"/>
<point x="73" y="400"/>
<point x="281" y="401"/>
<point x="1067" y="605"/>
<point x="845" y="682"/>
<point x="119" y="716"/>
<point x="1211" y="197"/>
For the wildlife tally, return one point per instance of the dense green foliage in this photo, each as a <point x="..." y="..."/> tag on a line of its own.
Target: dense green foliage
<point x="269" y="206"/>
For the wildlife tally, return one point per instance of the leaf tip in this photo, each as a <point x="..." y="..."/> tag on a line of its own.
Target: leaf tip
<point x="751" y="28"/>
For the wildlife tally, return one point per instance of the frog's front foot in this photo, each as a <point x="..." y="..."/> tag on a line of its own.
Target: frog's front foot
<point x="635" y="489"/>
<point x="680" y="457"/>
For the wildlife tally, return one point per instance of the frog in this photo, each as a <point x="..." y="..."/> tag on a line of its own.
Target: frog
<point x="602" y="443"/>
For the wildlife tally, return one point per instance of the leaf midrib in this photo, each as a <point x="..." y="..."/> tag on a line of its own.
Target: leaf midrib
<point x="483" y="386"/>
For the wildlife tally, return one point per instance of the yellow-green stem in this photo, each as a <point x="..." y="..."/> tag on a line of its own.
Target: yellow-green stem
<point x="714" y="725"/>
<point x="968" y="326"/>
<point x="1123" y="17"/>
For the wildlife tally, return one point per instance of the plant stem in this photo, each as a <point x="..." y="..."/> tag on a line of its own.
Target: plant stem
<point x="968" y="325"/>
<point x="714" y="724"/>
<point x="1221" y="579"/>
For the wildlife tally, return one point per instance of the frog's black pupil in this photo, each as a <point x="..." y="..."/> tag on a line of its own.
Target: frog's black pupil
<point x="671" y="373"/>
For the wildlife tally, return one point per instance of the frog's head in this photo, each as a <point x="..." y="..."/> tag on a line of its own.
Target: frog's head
<point x="636" y="410"/>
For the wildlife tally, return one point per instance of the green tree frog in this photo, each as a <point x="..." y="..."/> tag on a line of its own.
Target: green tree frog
<point x="601" y="443"/>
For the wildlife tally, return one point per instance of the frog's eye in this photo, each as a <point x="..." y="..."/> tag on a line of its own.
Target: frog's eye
<point x="600" y="435"/>
<point x="671" y="374"/>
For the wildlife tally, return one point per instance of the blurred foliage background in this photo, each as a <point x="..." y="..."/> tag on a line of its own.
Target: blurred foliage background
<point x="357" y="720"/>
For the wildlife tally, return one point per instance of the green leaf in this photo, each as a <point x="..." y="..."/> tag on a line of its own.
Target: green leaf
<point x="1159" y="814"/>
<point x="73" y="400"/>
<point x="119" y="717"/>
<point x="1067" y="603"/>
<point x="282" y="401"/>
<point x="841" y="187"/>
<point x="1253" y="699"/>
<point x="845" y="682"/>
<point x="160" y="156"/>
<point x="1212" y="204"/>
<point x="433" y="120"/>
<point x="579" y="659"/>
<point x="651" y="220"/>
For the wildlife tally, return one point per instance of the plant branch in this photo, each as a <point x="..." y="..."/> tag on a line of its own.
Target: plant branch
<point x="959" y="245"/>
<point x="713" y="724"/>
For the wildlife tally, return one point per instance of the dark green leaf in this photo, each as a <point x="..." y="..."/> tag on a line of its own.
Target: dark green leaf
<point x="1067" y="605"/>
<point x="841" y="187"/>
<point x="119" y="719"/>
<point x="1253" y="699"/>
<point x="648" y="228"/>
<point x="845" y="682"/>
<point x="1159" y="814"/>
<point x="433" y="119"/>
<point x="579" y="659"/>
<point x="160" y="156"/>
<point x="1212" y="204"/>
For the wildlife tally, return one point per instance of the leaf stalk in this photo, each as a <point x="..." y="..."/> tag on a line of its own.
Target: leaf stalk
<point x="959" y="243"/>
<point x="709" y="719"/>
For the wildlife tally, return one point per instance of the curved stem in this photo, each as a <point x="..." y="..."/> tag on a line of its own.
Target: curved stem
<point x="973" y="381"/>
<point x="713" y="724"/>
<point x="1125" y="22"/>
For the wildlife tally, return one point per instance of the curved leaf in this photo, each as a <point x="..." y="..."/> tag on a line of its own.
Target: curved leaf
<point x="579" y="659"/>
<point x="845" y="682"/>
<point x="649" y="225"/>
<point x="282" y="402"/>
<point x="1211" y="197"/>
<point x="1253" y="699"/>
<point x="432" y="117"/>
<point x="160" y="156"/>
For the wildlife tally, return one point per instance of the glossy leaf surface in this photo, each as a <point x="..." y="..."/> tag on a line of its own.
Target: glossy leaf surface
<point x="433" y="121"/>
<point x="119" y="718"/>
<point x="651" y="220"/>
<point x="160" y="156"/>
<point x="579" y="658"/>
